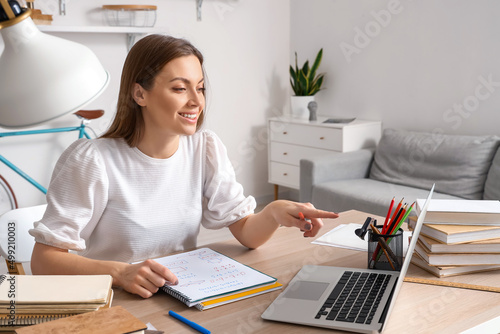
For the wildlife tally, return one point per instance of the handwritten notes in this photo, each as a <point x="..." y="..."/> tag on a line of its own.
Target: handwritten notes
<point x="205" y="273"/>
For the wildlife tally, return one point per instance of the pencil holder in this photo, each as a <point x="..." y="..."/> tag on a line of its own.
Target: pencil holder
<point x="385" y="251"/>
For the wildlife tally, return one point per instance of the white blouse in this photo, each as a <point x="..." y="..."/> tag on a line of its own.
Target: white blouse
<point x="109" y="201"/>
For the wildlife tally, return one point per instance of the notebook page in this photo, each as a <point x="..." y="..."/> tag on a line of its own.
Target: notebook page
<point x="205" y="273"/>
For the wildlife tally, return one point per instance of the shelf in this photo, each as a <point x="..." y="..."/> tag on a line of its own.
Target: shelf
<point x="132" y="32"/>
<point x="98" y="29"/>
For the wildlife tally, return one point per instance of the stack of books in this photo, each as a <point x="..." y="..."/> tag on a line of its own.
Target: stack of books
<point x="29" y="300"/>
<point x="458" y="237"/>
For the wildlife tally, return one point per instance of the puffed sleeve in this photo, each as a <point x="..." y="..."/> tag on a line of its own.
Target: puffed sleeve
<point x="76" y="198"/>
<point x="225" y="202"/>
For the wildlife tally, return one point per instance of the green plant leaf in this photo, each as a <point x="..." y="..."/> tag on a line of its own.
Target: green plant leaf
<point x="303" y="84"/>
<point x="293" y="80"/>
<point x="296" y="65"/>
<point x="305" y="68"/>
<point x="304" y="81"/>
<point x="318" y="81"/>
<point x="316" y="85"/>
<point x="293" y="74"/>
<point x="293" y="86"/>
<point x="315" y="65"/>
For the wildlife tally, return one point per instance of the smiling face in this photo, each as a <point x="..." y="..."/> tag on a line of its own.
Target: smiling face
<point x="173" y="105"/>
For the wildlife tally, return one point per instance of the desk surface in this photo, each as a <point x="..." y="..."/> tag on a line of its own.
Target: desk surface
<point x="419" y="308"/>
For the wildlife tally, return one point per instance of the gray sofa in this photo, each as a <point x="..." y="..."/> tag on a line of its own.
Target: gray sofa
<point x="404" y="164"/>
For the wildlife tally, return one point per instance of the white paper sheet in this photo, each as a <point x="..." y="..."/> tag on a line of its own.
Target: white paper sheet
<point x="343" y="236"/>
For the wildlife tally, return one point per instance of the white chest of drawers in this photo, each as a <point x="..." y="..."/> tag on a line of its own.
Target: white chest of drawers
<point x="292" y="139"/>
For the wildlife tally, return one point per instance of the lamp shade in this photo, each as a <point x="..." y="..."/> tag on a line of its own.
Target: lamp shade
<point x="43" y="77"/>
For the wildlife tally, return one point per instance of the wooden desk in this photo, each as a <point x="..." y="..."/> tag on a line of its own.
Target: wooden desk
<point x="419" y="309"/>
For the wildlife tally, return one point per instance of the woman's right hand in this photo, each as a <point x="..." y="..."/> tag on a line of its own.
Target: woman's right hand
<point x="145" y="278"/>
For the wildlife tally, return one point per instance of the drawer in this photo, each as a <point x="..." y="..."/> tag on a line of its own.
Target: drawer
<point x="291" y="154"/>
<point x="312" y="136"/>
<point x="285" y="175"/>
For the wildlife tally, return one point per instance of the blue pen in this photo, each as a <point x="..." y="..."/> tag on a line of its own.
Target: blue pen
<point x="189" y="322"/>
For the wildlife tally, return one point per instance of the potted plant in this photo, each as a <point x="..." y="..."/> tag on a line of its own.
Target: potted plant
<point x="305" y="84"/>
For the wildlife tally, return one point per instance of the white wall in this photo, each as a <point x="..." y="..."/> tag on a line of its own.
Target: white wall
<point x="416" y="65"/>
<point x="246" y="48"/>
<point x="413" y="69"/>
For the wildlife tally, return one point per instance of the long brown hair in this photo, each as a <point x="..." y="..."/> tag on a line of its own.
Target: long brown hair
<point x="144" y="61"/>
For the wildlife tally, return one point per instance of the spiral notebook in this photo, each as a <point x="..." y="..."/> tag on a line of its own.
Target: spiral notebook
<point x="208" y="278"/>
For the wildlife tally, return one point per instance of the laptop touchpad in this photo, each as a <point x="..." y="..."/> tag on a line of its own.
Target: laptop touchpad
<point x="306" y="290"/>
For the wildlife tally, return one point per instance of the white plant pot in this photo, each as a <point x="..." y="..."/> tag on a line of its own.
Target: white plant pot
<point x="299" y="106"/>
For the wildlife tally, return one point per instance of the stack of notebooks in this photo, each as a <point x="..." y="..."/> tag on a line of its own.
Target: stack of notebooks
<point x="29" y="300"/>
<point x="459" y="237"/>
<point x="208" y="279"/>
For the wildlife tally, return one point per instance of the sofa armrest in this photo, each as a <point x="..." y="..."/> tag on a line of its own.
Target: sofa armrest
<point x="331" y="167"/>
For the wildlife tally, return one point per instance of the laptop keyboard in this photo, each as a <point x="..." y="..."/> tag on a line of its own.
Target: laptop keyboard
<point x="355" y="298"/>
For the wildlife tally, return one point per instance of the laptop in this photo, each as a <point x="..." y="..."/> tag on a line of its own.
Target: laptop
<point x="324" y="296"/>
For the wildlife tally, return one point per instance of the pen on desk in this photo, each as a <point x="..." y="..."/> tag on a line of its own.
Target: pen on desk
<point x="188" y="322"/>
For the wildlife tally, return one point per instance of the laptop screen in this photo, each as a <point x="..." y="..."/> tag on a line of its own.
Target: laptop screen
<point x="409" y="252"/>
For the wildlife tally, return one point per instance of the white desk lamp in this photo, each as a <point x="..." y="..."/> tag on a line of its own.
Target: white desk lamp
<point x="42" y="77"/>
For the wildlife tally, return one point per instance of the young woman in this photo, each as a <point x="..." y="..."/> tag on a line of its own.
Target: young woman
<point x="146" y="186"/>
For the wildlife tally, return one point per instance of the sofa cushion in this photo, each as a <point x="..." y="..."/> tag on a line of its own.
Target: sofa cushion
<point x="492" y="185"/>
<point x="457" y="164"/>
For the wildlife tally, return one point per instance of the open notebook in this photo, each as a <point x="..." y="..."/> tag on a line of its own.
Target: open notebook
<point x="208" y="279"/>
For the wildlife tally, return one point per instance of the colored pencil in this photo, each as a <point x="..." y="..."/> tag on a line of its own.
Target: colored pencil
<point x="394" y="227"/>
<point x="394" y="214"/>
<point x="384" y="228"/>
<point x="394" y="221"/>
<point x="401" y="221"/>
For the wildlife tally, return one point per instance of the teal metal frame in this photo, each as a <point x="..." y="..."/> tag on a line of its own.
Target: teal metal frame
<point x="81" y="133"/>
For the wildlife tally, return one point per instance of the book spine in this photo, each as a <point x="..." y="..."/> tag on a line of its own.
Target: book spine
<point x="27" y="320"/>
<point x="176" y="294"/>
